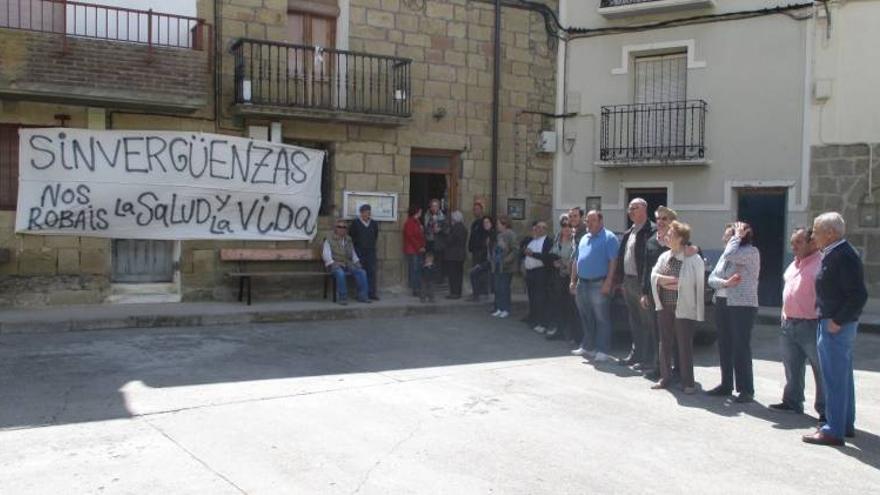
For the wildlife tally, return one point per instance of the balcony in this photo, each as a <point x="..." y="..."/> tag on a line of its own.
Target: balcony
<point x="71" y="52"/>
<point x="622" y="8"/>
<point x="668" y="133"/>
<point x="284" y="80"/>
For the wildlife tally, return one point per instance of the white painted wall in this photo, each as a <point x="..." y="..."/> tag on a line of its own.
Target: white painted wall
<point x="849" y="63"/>
<point x="753" y="75"/>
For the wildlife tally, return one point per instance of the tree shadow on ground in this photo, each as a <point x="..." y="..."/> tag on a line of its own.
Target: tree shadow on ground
<point x="76" y="377"/>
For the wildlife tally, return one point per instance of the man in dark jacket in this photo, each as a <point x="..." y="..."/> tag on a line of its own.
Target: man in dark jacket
<point x="364" y="232"/>
<point x="477" y="248"/>
<point x="840" y="297"/>
<point x="630" y="272"/>
<point x="456" y="245"/>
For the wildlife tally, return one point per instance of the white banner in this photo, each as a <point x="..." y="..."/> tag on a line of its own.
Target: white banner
<point x="165" y="185"/>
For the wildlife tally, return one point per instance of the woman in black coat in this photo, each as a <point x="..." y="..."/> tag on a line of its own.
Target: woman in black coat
<point x="455" y="253"/>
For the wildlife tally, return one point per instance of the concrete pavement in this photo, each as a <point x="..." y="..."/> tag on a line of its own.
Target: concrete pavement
<point x="78" y="318"/>
<point x="452" y="403"/>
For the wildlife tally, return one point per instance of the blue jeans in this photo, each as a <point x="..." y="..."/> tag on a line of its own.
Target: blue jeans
<point x="502" y="291"/>
<point x="798" y="343"/>
<point x="836" y="361"/>
<point x="360" y="278"/>
<point x="594" y="309"/>
<point x="414" y="265"/>
<point x="368" y="262"/>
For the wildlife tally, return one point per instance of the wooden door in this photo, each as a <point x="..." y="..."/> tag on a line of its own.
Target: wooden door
<point x="143" y="261"/>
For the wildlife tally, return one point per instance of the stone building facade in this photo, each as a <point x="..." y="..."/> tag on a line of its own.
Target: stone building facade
<point x="844" y="125"/>
<point x="447" y="46"/>
<point x="839" y="178"/>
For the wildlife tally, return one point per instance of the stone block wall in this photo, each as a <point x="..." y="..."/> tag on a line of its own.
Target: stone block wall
<point x="51" y="269"/>
<point x="839" y="182"/>
<point x="450" y="44"/>
<point x="33" y="63"/>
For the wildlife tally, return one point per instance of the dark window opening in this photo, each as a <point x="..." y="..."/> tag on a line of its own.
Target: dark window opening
<point x="327" y="204"/>
<point x="8" y="166"/>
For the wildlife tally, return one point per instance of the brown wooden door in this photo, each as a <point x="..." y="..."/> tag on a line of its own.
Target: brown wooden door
<point x="310" y="74"/>
<point x="8" y="166"/>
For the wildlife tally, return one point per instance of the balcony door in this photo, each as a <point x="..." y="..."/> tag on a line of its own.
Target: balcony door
<point x="310" y="70"/>
<point x="660" y="92"/>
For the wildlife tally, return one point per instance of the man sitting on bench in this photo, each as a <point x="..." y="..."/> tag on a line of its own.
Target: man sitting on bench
<point x="341" y="260"/>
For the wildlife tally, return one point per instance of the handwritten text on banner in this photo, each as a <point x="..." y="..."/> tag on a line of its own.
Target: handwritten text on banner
<point x="165" y="185"/>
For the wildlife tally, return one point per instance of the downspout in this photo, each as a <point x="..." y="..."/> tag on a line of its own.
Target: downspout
<point x="216" y="44"/>
<point x="496" y="97"/>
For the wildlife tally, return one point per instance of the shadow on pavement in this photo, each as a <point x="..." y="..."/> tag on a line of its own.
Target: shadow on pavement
<point x="76" y="377"/>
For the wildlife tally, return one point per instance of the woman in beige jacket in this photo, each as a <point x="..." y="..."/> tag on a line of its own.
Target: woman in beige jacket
<point x="677" y="286"/>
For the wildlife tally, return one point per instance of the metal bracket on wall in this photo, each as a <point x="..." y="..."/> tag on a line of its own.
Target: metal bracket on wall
<point x="415" y="5"/>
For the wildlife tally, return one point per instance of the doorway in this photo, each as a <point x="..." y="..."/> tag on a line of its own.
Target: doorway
<point x="654" y="196"/>
<point x="764" y="210"/>
<point x="434" y="175"/>
<point x="142" y="261"/>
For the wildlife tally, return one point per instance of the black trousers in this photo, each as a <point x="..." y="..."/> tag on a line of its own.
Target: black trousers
<point x="734" y="325"/>
<point x="538" y="286"/>
<point x="479" y="275"/>
<point x="564" y="311"/>
<point x="368" y="261"/>
<point x="455" y="272"/>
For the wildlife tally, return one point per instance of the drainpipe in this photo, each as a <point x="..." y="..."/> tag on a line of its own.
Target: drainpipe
<point x="496" y="97"/>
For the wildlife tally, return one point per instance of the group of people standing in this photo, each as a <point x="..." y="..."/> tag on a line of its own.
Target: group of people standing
<point x="662" y="278"/>
<point x="572" y="276"/>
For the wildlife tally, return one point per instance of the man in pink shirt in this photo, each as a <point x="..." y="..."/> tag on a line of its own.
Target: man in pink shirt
<point x="799" y="324"/>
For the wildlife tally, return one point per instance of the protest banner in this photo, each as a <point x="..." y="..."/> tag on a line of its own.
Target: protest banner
<point x="165" y="185"/>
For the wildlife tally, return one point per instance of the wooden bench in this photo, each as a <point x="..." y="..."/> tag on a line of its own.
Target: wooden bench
<point x="246" y="256"/>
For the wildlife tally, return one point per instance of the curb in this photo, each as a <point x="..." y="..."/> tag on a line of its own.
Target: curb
<point x="244" y="318"/>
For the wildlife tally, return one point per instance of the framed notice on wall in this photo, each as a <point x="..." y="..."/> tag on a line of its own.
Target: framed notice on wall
<point x="516" y="208"/>
<point x="382" y="204"/>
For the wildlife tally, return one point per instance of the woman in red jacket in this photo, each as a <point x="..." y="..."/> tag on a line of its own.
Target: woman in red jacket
<point x="414" y="247"/>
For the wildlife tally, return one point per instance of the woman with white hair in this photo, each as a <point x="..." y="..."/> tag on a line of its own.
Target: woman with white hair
<point x="455" y="253"/>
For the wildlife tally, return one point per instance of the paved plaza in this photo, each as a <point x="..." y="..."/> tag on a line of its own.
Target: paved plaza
<point x="451" y="404"/>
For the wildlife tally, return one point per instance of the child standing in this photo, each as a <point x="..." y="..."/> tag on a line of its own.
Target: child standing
<point x="429" y="274"/>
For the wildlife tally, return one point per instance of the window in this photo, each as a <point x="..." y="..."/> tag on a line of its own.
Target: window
<point x="660" y="90"/>
<point x="326" y="173"/>
<point x="8" y="166"/>
<point x="660" y="78"/>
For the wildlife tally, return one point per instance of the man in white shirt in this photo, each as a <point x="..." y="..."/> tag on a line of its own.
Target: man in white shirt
<point x="341" y="260"/>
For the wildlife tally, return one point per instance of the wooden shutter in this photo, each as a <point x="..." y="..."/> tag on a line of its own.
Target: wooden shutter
<point x="8" y="166"/>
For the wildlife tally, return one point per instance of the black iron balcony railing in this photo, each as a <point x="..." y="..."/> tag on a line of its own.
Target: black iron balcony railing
<point x="104" y="22"/>
<point x="309" y="77"/>
<point x="667" y="131"/>
<point x="620" y="3"/>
